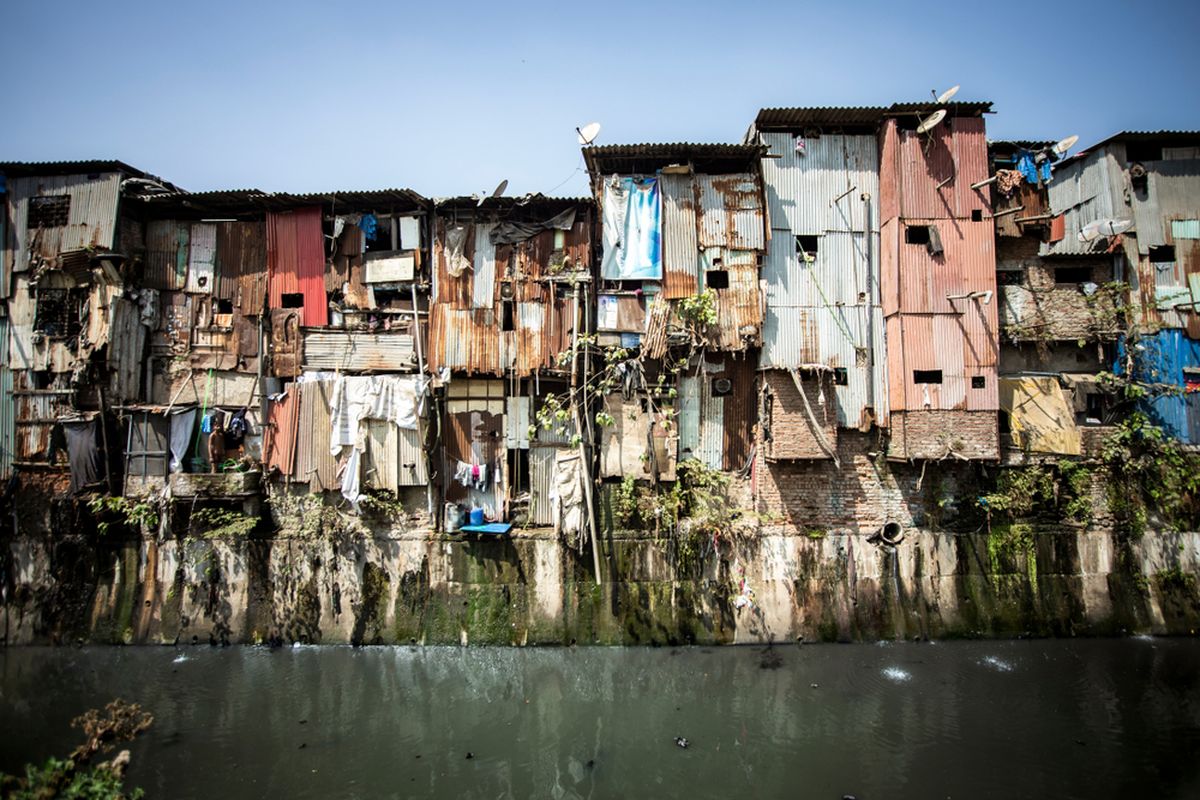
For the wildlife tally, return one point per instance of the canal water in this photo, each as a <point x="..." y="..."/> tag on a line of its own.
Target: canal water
<point x="1053" y="719"/>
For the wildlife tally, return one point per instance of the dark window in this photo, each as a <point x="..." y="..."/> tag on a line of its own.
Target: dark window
<point x="927" y="376"/>
<point x="57" y="313"/>
<point x="716" y="279"/>
<point x="722" y="387"/>
<point x="1163" y="254"/>
<point x="48" y="212"/>
<point x="807" y="246"/>
<point x="507" y="322"/>
<point x="1142" y="151"/>
<point x="977" y="215"/>
<point x="978" y="382"/>
<point x="1072" y="274"/>
<point x="841" y="376"/>
<point x="1010" y="277"/>
<point x="916" y="234"/>
<point x="1095" y="407"/>
<point x="224" y="306"/>
<point x="292" y="301"/>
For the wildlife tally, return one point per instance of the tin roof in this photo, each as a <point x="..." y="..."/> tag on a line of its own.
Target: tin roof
<point x="15" y="168"/>
<point x="650" y="157"/>
<point x="1157" y="137"/>
<point x="240" y="202"/>
<point x="819" y="116"/>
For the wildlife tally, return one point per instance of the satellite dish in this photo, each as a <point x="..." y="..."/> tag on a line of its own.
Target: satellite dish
<point x="499" y="190"/>
<point x="1066" y="144"/>
<point x="588" y="133"/>
<point x="945" y="96"/>
<point x="1104" y="227"/>
<point x="931" y="122"/>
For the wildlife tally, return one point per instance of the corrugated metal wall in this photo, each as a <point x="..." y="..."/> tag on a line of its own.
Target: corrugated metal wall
<point x="296" y="262"/>
<point x="356" y="351"/>
<point x="1161" y="358"/>
<point x="7" y="406"/>
<point x="824" y="309"/>
<point x="731" y="211"/>
<point x="681" y="255"/>
<point x="315" y="465"/>
<point x="91" y="217"/>
<point x="1084" y="190"/>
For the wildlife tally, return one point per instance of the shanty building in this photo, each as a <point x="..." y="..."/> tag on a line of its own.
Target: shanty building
<point x="684" y="237"/>
<point x="1130" y="207"/>
<point x="1059" y="315"/>
<point x="823" y="360"/>
<point x="512" y="285"/>
<point x="76" y="322"/>
<point x="288" y="335"/>
<point x="938" y="283"/>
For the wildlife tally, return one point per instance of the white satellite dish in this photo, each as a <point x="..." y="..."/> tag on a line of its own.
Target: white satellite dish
<point x="1063" y="146"/>
<point x="1104" y="227"/>
<point x="931" y="122"/>
<point x="499" y="190"/>
<point x="945" y="96"/>
<point x="588" y="133"/>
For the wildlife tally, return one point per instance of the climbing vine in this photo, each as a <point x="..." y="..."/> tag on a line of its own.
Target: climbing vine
<point x="122" y="511"/>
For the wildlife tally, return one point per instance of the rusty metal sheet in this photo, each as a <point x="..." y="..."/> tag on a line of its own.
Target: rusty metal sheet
<point x="681" y="253"/>
<point x="162" y="256"/>
<point x="968" y="264"/>
<point x="126" y="345"/>
<point x="279" y="434"/>
<point x="740" y="412"/>
<point x="936" y="170"/>
<point x="242" y="265"/>
<point x="355" y="351"/>
<point x="37" y="412"/>
<point x="621" y="312"/>
<point x="483" y="281"/>
<point x="451" y="291"/>
<point x="315" y="465"/>
<point x="7" y="406"/>
<point x="296" y="262"/>
<point x="89" y="221"/>
<point x="287" y="346"/>
<point x="739" y="307"/>
<point x="731" y="211"/>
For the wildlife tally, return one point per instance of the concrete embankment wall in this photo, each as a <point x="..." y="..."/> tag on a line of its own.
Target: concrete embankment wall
<point x="531" y="589"/>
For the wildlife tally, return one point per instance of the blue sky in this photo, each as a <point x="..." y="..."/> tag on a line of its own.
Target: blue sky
<point x="449" y="98"/>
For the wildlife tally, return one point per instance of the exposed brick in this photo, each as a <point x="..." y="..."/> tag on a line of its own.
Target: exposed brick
<point x="938" y="434"/>
<point x="790" y="432"/>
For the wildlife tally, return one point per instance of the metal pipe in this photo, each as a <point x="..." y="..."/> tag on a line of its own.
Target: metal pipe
<point x="583" y="456"/>
<point x="1035" y="218"/>
<point x="983" y="183"/>
<point x="1007" y="211"/>
<point x="866" y="201"/>
<point x="835" y="200"/>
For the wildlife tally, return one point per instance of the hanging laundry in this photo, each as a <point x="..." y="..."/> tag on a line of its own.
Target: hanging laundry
<point x="566" y="498"/>
<point x="1027" y="165"/>
<point x="632" y="229"/>
<point x="1007" y="181"/>
<point x="182" y="424"/>
<point x="369" y="226"/>
<point x="83" y="454"/>
<point x="457" y="261"/>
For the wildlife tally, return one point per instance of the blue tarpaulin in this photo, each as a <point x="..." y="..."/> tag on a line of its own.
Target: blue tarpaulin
<point x="632" y="232"/>
<point x="1161" y="360"/>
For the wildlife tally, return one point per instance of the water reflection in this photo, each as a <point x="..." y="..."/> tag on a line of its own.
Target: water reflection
<point x="994" y="719"/>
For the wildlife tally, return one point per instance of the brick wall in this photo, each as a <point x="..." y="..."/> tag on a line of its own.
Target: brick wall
<point x="1039" y="307"/>
<point x="940" y="434"/>
<point x="788" y="426"/>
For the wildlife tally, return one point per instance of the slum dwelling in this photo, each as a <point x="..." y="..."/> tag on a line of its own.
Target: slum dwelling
<point x="289" y="336"/>
<point x="77" y="320"/>
<point x="822" y="364"/>
<point x="679" y="313"/>
<point x="1060" y="317"/>
<point x="938" y="282"/>
<point x="513" y="280"/>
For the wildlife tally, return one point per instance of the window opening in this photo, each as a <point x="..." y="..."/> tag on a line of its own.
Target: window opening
<point x="1072" y="274"/>
<point x="978" y="382"/>
<point x="841" y="376"/>
<point x="48" y="212"/>
<point x="807" y="246"/>
<point x="927" y="376"/>
<point x="292" y="301"/>
<point x="716" y="279"/>
<point x="916" y="234"/>
<point x="507" y="323"/>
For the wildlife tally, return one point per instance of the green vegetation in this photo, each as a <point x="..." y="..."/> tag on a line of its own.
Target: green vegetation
<point x="219" y="523"/>
<point x="75" y="777"/>
<point x="1053" y="491"/>
<point x="122" y="511"/>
